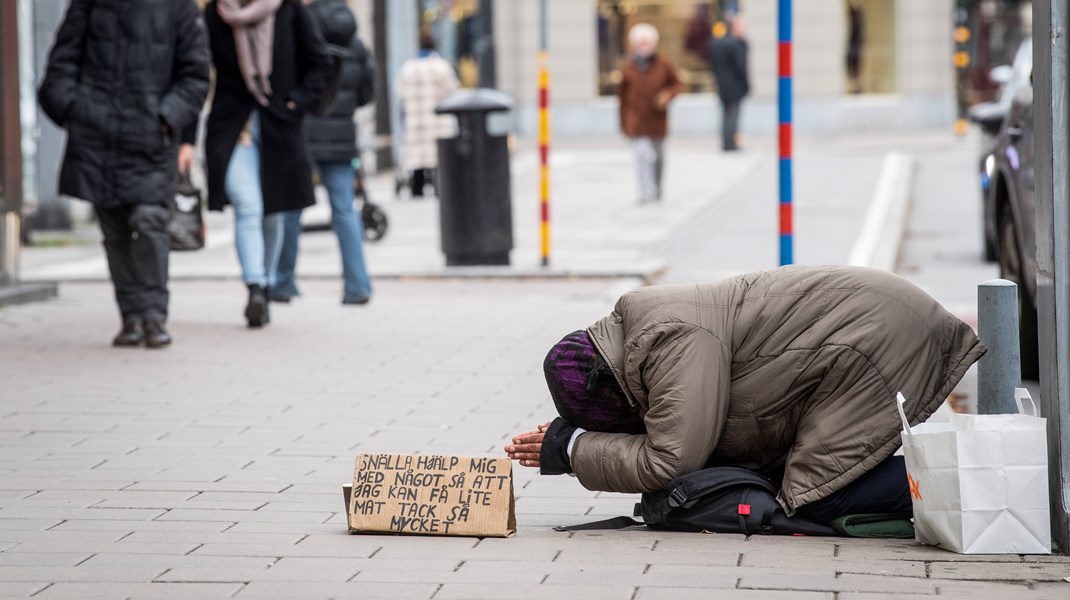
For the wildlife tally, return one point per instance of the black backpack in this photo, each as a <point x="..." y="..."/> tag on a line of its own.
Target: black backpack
<point x="716" y="500"/>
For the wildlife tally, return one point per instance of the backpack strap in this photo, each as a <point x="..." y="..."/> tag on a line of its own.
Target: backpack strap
<point x="614" y="523"/>
<point x="767" y="520"/>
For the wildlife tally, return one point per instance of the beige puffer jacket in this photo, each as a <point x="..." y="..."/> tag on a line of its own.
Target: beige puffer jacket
<point x="796" y="367"/>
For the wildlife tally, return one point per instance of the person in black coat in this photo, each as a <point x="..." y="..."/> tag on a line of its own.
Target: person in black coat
<point x="271" y="67"/>
<point x="123" y="89"/>
<point x="332" y="144"/>
<point x="728" y="61"/>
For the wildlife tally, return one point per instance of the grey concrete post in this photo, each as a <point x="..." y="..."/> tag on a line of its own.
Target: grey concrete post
<point x="1000" y="370"/>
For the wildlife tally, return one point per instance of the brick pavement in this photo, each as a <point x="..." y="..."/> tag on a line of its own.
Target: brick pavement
<point x="212" y="469"/>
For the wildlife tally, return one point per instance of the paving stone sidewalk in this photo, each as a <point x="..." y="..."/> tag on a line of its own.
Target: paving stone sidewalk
<point x="212" y="469"/>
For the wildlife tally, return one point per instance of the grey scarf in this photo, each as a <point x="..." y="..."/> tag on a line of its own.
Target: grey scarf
<point x="253" y="22"/>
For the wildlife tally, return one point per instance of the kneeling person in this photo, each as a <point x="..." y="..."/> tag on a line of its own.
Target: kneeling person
<point x="791" y="373"/>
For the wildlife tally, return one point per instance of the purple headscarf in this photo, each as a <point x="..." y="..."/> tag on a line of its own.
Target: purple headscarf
<point x="584" y="389"/>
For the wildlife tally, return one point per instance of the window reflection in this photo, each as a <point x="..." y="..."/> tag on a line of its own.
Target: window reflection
<point x="458" y="32"/>
<point x="870" y="53"/>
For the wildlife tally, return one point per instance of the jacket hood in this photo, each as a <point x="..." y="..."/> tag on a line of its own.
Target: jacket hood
<point x="335" y="20"/>
<point x="793" y="370"/>
<point x="608" y="337"/>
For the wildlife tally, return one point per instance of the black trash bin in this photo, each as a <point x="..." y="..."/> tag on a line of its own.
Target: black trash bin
<point x="475" y="193"/>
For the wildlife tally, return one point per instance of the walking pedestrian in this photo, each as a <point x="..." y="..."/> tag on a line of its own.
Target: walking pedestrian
<point x="124" y="79"/>
<point x="332" y="144"/>
<point x="423" y="82"/>
<point x="648" y="83"/>
<point x="728" y="61"/>
<point x="791" y="373"/>
<point x="271" y="67"/>
<point x="856" y="27"/>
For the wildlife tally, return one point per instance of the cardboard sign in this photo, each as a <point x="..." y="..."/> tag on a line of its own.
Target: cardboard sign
<point x="431" y="494"/>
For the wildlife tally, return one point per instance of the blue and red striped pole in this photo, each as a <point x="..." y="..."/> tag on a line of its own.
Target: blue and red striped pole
<point x="784" y="101"/>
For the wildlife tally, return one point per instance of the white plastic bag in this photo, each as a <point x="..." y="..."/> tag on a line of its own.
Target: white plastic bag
<point x="980" y="482"/>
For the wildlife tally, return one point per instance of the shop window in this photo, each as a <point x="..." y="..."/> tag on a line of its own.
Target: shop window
<point x="457" y="28"/>
<point x="683" y="27"/>
<point x="870" y="55"/>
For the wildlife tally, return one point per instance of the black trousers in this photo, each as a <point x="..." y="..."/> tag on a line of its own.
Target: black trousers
<point x="420" y="178"/>
<point x="137" y="246"/>
<point x="883" y="489"/>
<point x="729" y="124"/>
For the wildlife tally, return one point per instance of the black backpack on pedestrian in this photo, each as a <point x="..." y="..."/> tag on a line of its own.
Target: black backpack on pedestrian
<point x="715" y="500"/>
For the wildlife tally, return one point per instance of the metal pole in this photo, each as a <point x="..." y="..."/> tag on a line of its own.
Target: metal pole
<point x="1052" y="179"/>
<point x="961" y="59"/>
<point x="544" y="137"/>
<point x="384" y="154"/>
<point x="999" y="370"/>
<point x="402" y="29"/>
<point x="486" y="53"/>
<point x="52" y="211"/>
<point x="784" y="103"/>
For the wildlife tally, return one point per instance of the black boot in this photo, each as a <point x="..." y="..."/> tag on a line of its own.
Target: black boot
<point x="131" y="335"/>
<point x="256" y="311"/>
<point x="156" y="335"/>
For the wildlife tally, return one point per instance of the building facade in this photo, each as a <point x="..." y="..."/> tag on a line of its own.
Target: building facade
<point x="902" y="75"/>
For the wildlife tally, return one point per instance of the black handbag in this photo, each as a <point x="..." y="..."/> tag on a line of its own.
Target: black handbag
<point x="186" y="226"/>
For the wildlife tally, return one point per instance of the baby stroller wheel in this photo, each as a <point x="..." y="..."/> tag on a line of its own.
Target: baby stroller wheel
<point x="375" y="222"/>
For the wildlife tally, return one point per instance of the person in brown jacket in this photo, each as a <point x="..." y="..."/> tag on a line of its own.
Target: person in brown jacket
<point x="791" y="373"/>
<point x="648" y="83"/>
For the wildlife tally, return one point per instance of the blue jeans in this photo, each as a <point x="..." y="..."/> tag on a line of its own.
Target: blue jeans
<point x="257" y="237"/>
<point x="337" y="177"/>
<point x="650" y="156"/>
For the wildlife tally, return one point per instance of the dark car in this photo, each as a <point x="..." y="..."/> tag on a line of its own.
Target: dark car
<point x="989" y="118"/>
<point x="1012" y="213"/>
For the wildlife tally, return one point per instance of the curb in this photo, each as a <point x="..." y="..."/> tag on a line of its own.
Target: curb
<point x="882" y="231"/>
<point x="25" y="292"/>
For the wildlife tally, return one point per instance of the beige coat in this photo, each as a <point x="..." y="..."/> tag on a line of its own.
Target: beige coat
<point x="422" y="84"/>
<point x="796" y="367"/>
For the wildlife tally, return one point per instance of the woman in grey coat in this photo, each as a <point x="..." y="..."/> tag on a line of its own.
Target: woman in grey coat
<point x="791" y="372"/>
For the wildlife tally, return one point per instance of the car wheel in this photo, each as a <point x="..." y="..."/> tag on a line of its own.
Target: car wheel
<point x="1010" y="268"/>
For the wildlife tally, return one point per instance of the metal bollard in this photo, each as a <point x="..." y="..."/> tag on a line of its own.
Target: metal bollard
<point x="1000" y="370"/>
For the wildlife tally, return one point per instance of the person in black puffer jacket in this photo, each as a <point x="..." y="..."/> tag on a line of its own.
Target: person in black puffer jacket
<point x="124" y="89"/>
<point x="332" y="144"/>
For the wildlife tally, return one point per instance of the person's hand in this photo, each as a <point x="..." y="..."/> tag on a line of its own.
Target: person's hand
<point x="662" y="99"/>
<point x="527" y="446"/>
<point x="185" y="158"/>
